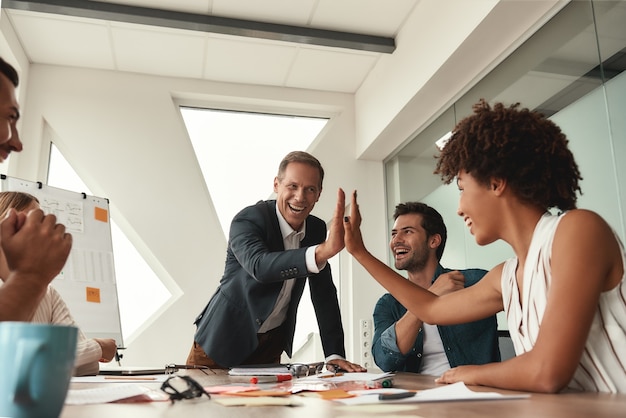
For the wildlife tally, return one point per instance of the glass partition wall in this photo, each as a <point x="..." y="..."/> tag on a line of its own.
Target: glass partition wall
<point x="572" y="70"/>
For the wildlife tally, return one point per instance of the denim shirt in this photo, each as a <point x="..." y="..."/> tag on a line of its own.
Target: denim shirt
<point x="469" y="343"/>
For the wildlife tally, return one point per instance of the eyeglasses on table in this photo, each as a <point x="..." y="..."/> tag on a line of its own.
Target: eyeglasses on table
<point x="173" y="368"/>
<point x="183" y="387"/>
<point x="311" y="369"/>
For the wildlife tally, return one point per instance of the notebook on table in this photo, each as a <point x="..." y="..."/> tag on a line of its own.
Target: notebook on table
<point x="295" y="369"/>
<point x="131" y="371"/>
<point x="260" y="370"/>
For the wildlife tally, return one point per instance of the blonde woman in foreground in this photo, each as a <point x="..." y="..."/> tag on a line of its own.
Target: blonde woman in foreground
<point x="563" y="293"/>
<point x="52" y="309"/>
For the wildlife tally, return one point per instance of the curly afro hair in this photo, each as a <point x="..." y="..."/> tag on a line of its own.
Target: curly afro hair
<point x="518" y="145"/>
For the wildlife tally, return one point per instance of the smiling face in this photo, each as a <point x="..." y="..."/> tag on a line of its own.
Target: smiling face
<point x="477" y="208"/>
<point x="409" y="243"/>
<point x="9" y="115"/>
<point x="297" y="192"/>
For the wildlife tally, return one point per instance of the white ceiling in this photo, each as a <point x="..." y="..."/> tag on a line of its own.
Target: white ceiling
<point x="104" y="44"/>
<point x="64" y="40"/>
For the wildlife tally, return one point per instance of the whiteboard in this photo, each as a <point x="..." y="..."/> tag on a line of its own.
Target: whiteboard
<point x="87" y="281"/>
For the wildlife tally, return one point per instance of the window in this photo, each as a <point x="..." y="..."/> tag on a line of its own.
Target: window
<point x="239" y="152"/>
<point x="140" y="292"/>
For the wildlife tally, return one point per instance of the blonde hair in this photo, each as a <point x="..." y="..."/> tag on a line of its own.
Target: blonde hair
<point x="17" y="200"/>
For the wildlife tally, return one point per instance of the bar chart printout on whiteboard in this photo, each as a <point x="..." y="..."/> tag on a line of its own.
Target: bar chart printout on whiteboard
<point x="87" y="282"/>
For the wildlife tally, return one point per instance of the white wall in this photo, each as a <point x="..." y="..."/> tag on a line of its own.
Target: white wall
<point x="441" y="52"/>
<point x="11" y="51"/>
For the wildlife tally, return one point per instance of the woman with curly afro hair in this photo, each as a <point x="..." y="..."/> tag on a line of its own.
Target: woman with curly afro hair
<point x="564" y="292"/>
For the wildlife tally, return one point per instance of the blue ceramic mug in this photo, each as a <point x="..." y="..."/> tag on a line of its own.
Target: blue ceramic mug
<point x="36" y="363"/>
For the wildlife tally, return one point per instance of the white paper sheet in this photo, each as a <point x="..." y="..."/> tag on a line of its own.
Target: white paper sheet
<point x="157" y="378"/>
<point x="346" y="377"/>
<point x="454" y="392"/>
<point x="259" y="370"/>
<point x="110" y="393"/>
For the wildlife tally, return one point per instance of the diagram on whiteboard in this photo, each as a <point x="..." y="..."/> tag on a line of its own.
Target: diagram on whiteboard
<point x="68" y="213"/>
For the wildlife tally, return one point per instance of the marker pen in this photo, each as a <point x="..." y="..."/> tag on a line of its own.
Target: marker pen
<point x="270" y="379"/>
<point x="392" y="396"/>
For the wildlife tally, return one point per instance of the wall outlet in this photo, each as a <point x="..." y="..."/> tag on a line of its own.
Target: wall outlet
<point x="366" y="330"/>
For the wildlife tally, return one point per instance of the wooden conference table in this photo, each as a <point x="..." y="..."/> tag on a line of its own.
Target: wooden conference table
<point x="565" y="405"/>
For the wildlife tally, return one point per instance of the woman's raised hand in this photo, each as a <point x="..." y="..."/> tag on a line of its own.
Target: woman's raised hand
<point x="352" y="229"/>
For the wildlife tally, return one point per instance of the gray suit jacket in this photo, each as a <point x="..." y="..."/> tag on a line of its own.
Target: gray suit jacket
<point x="256" y="265"/>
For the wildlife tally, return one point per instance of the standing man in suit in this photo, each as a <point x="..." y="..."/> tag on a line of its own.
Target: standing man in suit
<point x="35" y="246"/>
<point x="273" y="247"/>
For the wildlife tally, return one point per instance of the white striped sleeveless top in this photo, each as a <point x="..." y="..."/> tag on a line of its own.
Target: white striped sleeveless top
<point x="602" y="367"/>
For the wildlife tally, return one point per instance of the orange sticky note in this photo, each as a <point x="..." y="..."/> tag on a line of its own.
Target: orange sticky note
<point x="93" y="294"/>
<point x="334" y="394"/>
<point x="101" y="214"/>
